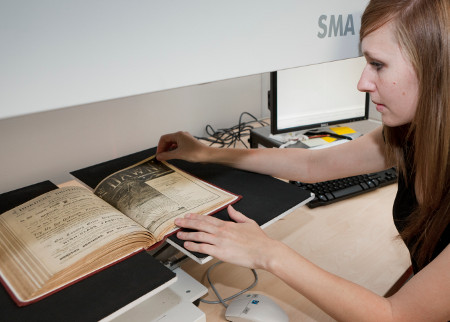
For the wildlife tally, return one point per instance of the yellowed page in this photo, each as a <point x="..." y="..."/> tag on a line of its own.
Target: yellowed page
<point x="154" y="193"/>
<point x="54" y="230"/>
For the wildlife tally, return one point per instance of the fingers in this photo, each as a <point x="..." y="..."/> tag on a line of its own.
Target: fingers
<point x="202" y="240"/>
<point x="199" y="222"/>
<point x="165" y="156"/>
<point x="200" y="248"/>
<point x="167" y="143"/>
<point x="237" y="216"/>
<point x="206" y="228"/>
<point x="179" y="145"/>
<point x="196" y="236"/>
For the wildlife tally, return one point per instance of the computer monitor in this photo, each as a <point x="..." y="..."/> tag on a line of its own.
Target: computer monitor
<point x="317" y="96"/>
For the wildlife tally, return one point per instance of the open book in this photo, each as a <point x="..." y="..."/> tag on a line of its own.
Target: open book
<point x="66" y="234"/>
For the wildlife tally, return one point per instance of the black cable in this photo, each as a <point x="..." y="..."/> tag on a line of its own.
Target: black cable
<point x="230" y="136"/>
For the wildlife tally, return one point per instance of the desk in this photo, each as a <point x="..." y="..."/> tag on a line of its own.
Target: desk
<point x="354" y="238"/>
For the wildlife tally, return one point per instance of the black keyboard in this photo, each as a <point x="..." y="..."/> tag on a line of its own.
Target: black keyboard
<point x="327" y="192"/>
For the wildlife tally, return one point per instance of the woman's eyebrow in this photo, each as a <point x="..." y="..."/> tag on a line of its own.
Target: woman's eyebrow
<point x="370" y="55"/>
<point x="367" y="53"/>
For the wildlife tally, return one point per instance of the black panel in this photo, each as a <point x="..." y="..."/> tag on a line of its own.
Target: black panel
<point x="11" y="199"/>
<point x="96" y="296"/>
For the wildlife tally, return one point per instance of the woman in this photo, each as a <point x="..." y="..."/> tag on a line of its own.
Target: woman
<point x="406" y="45"/>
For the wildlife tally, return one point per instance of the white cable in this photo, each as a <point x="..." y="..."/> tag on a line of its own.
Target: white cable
<point x="221" y="300"/>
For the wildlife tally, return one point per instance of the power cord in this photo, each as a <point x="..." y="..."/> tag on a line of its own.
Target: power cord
<point x="230" y="136"/>
<point x="220" y="299"/>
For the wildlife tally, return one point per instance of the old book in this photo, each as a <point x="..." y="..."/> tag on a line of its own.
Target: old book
<point x="69" y="233"/>
<point x="265" y="199"/>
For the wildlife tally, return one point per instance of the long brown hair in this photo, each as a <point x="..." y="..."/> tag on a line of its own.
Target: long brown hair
<point x="422" y="30"/>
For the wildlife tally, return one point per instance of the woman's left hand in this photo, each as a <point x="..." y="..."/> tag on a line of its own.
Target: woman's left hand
<point x="241" y="242"/>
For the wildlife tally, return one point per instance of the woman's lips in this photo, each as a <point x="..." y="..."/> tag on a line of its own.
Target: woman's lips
<point x="380" y="107"/>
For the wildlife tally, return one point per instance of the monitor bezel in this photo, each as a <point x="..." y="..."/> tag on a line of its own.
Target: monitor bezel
<point x="273" y="108"/>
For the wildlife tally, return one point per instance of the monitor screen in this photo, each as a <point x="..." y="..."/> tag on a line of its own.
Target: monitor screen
<point x="317" y="96"/>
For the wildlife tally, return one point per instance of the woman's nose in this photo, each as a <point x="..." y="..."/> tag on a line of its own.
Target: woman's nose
<point x="366" y="83"/>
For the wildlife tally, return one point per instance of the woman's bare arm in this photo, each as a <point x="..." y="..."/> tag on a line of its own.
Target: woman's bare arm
<point x="362" y="155"/>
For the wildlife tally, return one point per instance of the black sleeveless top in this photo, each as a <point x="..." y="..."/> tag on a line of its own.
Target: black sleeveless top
<point x="405" y="203"/>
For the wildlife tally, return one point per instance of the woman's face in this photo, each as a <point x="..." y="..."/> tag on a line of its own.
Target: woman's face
<point x="389" y="77"/>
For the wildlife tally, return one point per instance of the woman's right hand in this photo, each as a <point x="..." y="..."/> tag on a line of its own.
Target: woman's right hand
<point x="180" y="145"/>
<point x="240" y="241"/>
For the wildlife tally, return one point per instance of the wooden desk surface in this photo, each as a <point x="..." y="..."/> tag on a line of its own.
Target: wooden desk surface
<point x="354" y="238"/>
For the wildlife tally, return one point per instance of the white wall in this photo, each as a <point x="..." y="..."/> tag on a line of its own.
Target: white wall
<point x="65" y="53"/>
<point x="48" y="145"/>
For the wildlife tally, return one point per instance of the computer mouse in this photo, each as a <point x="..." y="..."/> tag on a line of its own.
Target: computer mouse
<point x="255" y="307"/>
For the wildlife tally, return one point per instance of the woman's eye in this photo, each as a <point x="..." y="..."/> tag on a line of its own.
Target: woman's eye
<point x="377" y="65"/>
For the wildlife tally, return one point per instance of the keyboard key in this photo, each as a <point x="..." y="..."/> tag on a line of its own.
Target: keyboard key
<point x="329" y="196"/>
<point x="347" y="191"/>
<point x="364" y="185"/>
<point x="371" y="184"/>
